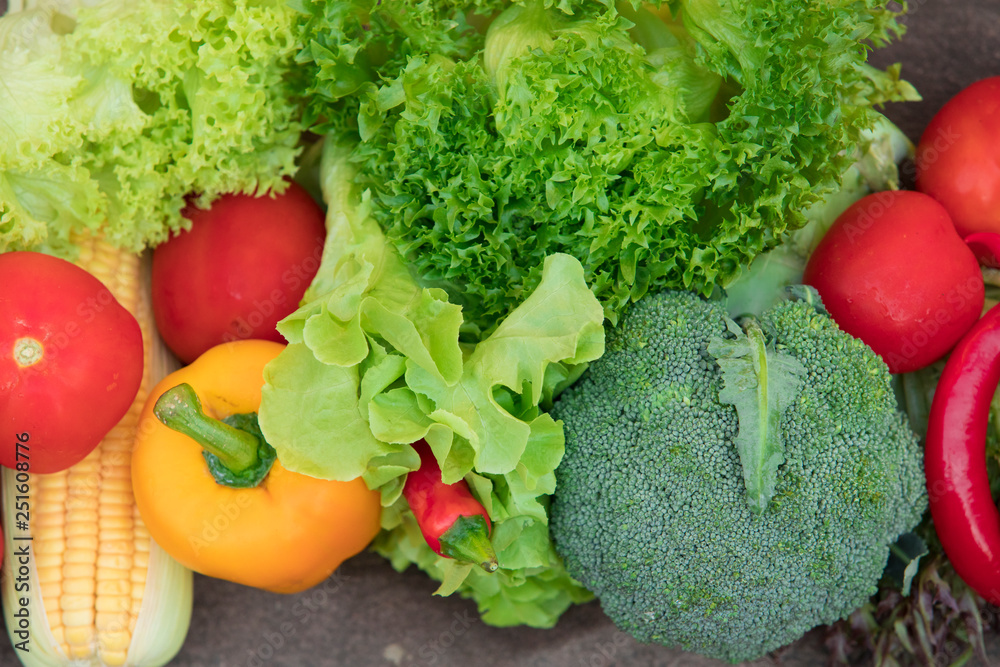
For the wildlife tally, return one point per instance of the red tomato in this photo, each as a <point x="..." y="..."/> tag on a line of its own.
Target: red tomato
<point x="893" y="272"/>
<point x="243" y="266"/>
<point x="958" y="158"/>
<point x="71" y="365"/>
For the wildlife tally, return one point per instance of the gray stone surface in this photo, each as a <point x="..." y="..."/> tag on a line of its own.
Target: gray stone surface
<point x="368" y="615"/>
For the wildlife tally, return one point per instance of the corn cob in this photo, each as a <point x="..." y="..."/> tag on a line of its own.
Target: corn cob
<point x="100" y="591"/>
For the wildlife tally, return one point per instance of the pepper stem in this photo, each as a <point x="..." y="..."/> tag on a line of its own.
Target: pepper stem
<point x="179" y="409"/>
<point x="468" y="540"/>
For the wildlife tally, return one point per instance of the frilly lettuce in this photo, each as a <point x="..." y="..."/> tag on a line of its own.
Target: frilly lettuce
<point x="113" y="114"/>
<point x="762" y="284"/>
<point x="374" y="363"/>
<point x="663" y="145"/>
<point x="353" y="44"/>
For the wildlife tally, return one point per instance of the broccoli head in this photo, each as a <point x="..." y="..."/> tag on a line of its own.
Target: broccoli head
<point x="726" y="489"/>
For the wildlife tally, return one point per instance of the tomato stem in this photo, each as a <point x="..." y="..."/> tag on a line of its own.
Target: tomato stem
<point x="179" y="409"/>
<point x="28" y="352"/>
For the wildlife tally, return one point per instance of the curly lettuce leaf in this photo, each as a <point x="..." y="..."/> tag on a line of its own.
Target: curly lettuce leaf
<point x="120" y="112"/>
<point x="375" y="363"/>
<point x="349" y="45"/>
<point x="763" y="283"/>
<point x="662" y="148"/>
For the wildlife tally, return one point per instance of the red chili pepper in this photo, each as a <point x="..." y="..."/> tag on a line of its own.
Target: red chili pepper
<point x="965" y="516"/>
<point x="452" y="521"/>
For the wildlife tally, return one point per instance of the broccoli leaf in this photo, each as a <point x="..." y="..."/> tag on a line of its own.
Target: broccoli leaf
<point x="760" y="383"/>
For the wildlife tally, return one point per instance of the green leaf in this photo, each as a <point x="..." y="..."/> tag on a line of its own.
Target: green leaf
<point x="904" y="560"/>
<point x="335" y="342"/>
<point x="454" y="576"/>
<point x="560" y="322"/>
<point x="760" y="383"/>
<point x="111" y="120"/>
<point x="335" y="442"/>
<point x="542" y="455"/>
<point x="375" y="364"/>
<point x="424" y="329"/>
<point x="395" y="416"/>
<point x="526" y="544"/>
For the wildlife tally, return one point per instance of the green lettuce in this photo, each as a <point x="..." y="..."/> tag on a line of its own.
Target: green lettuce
<point x="763" y="283"/>
<point x="375" y="362"/>
<point x="348" y="46"/>
<point x="115" y="113"/>
<point x="661" y="148"/>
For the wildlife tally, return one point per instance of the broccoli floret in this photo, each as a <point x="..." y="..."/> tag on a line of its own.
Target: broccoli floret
<point x="651" y="511"/>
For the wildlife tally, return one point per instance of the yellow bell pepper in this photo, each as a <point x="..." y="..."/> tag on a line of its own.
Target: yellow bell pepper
<point x="213" y="499"/>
